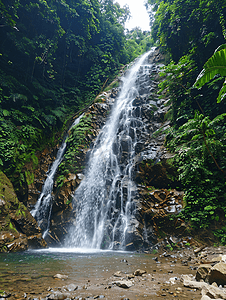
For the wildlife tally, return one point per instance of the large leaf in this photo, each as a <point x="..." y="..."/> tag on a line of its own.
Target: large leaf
<point x="222" y="94"/>
<point x="215" y="65"/>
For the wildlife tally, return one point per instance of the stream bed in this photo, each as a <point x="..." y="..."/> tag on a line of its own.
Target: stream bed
<point x="92" y="274"/>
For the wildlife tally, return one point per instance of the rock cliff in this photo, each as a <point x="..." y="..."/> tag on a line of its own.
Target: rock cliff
<point x="157" y="196"/>
<point x="18" y="229"/>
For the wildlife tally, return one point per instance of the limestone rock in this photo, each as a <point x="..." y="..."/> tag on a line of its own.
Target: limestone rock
<point x="205" y="298"/>
<point x="188" y="282"/>
<point x="60" y="276"/>
<point x="130" y="276"/>
<point x="124" y="284"/>
<point x="219" y="258"/>
<point x="118" y="274"/>
<point x="71" y="287"/>
<point x="139" y="272"/>
<point x="198" y="250"/>
<point x="213" y="292"/>
<point x="58" y="296"/>
<point x="218" y="274"/>
<point x="202" y="272"/>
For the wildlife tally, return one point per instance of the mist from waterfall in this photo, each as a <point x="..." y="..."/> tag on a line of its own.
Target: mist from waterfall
<point x="104" y="199"/>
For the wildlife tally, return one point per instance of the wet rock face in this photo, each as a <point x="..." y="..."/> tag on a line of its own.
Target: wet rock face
<point x="154" y="195"/>
<point x="18" y="229"/>
<point x="155" y="208"/>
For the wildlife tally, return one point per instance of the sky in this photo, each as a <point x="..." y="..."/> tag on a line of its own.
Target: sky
<point x="139" y="15"/>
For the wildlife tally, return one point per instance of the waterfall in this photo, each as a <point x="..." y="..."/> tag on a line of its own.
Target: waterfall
<point x="43" y="207"/>
<point x="104" y="199"/>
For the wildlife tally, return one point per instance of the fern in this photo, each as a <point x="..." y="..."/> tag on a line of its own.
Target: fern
<point x="200" y="158"/>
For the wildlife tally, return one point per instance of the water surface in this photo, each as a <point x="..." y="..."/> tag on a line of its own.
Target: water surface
<point x="34" y="270"/>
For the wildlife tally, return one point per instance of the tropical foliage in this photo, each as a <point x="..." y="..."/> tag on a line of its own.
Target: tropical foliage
<point x="200" y="151"/>
<point x="188" y="32"/>
<point x="214" y="66"/>
<point x="55" y="57"/>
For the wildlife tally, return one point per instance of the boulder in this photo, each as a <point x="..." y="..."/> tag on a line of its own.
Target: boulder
<point x="189" y="282"/>
<point x="139" y="272"/>
<point x="213" y="292"/>
<point x="205" y="298"/>
<point x="125" y="284"/>
<point x="60" y="276"/>
<point x="218" y="274"/>
<point x="219" y="258"/>
<point x="202" y="272"/>
<point x="118" y="274"/>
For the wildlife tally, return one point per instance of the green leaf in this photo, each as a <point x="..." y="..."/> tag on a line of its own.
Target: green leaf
<point x="215" y="65"/>
<point x="223" y="46"/>
<point x="222" y="93"/>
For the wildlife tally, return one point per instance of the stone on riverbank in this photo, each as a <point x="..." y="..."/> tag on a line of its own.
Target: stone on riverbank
<point x="139" y="272"/>
<point x="124" y="283"/>
<point x="202" y="272"/>
<point x="218" y="274"/>
<point x="213" y="292"/>
<point x="60" y="276"/>
<point x="58" y="296"/>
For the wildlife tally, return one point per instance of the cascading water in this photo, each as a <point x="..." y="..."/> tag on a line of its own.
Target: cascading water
<point x="43" y="207"/>
<point x="103" y="201"/>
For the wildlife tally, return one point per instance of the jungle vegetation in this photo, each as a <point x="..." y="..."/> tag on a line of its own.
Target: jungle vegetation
<point x="55" y="57"/>
<point x="192" y="36"/>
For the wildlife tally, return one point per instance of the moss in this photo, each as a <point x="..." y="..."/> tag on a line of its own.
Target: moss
<point x="12" y="228"/>
<point x="29" y="177"/>
<point x="7" y="191"/>
<point x="12" y="206"/>
<point x="114" y="84"/>
<point x="76" y="143"/>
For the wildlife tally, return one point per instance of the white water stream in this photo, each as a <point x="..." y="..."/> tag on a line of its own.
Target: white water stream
<point x="43" y="207"/>
<point x="103" y="201"/>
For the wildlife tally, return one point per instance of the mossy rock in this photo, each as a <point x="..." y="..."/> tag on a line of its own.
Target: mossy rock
<point x="7" y="193"/>
<point x="16" y="222"/>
